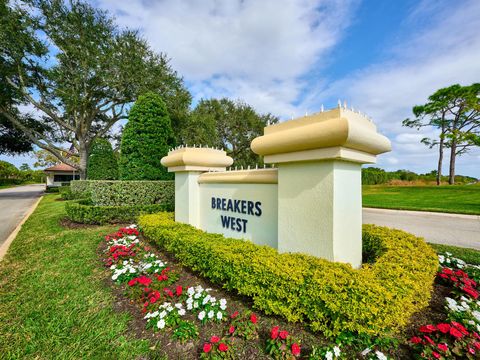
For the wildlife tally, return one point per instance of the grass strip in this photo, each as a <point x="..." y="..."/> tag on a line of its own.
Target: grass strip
<point x="53" y="299"/>
<point x="460" y="199"/>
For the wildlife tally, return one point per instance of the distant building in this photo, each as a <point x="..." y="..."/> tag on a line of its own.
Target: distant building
<point x="60" y="175"/>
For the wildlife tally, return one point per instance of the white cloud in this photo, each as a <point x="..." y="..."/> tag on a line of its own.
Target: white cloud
<point x="445" y="51"/>
<point x="253" y="50"/>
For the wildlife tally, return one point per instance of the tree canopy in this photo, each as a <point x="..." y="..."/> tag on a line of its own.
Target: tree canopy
<point x="147" y="137"/>
<point x="80" y="71"/>
<point x="229" y="125"/>
<point x="455" y="110"/>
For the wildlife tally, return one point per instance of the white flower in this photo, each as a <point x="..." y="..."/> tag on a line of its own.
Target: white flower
<point x="329" y="355"/>
<point x="163" y="314"/>
<point x="201" y="315"/>
<point x="223" y="302"/>
<point x="195" y="304"/>
<point x="189" y="306"/>
<point x="366" y="351"/>
<point x="190" y="291"/>
<point x="213" y="300"/>
<point x="197" y="295"/>
<point x="205" y="300"/>
<point x="178" y="305"/>
<point x="169" y="308"/>
<point x="380" y="355"/>
<point x="181" y="312"/>
<point x="476" y="314"/>
<point x="210" y="314"/>
<point x="161" y="324"/>
<point x="223" y="307"/>
<point x="336" y="351"/>
<point x="219" y="315"/>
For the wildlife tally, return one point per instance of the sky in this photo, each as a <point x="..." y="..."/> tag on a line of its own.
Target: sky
<point x="288" y="57"/>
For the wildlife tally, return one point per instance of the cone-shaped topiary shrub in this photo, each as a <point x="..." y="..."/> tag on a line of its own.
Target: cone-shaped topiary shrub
<point x="102" y="163"/>
<point x="146" y="139"/>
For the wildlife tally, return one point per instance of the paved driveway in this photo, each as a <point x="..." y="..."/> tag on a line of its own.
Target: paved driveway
<point x="439" y="228"/>
<point x="14" y="204"/>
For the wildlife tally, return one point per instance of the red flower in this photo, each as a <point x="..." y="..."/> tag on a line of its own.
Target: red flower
<point x="443" y="347"/>
<point x="471" y="350"/>
<point x="436" y="355"/>
<point x="470" y="292"/>
<point x="231" y="330"/>
<point x="443" y="328"/>
<point x="430" y="341"/>
<point x="447" y="271"/>
<point x="214" y="339"/>
<point x="132" y="282"/>
<point x="274" y="333"/>
<point x="253" y="318"/>
<point x="234" y="315"/>
<point x="415" y="340"/>
<point x="460" y="327"/>
<point x="144" y="280"/>
<point x="476" y="335"/>
<point x="179" y="290"/>
<point x="283" y="334"/>
<point x="477" y="345"/>
<point x="295" y="349"/>
<point x="162" y="277"/>
<point x="455" y="333"/>
<point x="207" y="347"/>
<point x="168" y="292"/>
<point x="428" y="328"/>
<point x="223" y="347"/>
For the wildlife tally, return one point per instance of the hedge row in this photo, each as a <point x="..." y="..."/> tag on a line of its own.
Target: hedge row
<point x="330" y="297"/>
<point x="121" y="193"/>
<point x="82" y="211"/>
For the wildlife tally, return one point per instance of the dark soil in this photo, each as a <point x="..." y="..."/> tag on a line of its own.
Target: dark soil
<point x="163" y="345"/>
<point x="69" y="224"/>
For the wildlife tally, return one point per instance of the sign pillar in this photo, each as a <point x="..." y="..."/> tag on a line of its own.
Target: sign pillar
<point x="188" y="163"/>
<point x="319" y="161"/>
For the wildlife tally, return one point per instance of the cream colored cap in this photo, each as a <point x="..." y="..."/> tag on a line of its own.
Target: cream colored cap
<point x="196" y="158"/>
<point x="334" y="128"/>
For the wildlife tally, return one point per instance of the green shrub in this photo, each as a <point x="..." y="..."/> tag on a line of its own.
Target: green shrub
<point x="82" y="211"/>
<point x="146" y="138"/>
<point x="52" y="189"/>
<point x="102" y="163"/>
<point x="119" y="193"/>
<point x="330" y="297"/>
<point x="66" y="192"/>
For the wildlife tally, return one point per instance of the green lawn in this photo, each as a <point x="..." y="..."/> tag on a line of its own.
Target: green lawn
<point x="53" y="302"/>
<point x="461" y="199"/>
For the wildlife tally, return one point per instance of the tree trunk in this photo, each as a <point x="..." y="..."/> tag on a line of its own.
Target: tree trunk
<point x="83" y="154"/>
<point x="453" y="153"/>
<point x="440" y="155"/>
<point x="440" y="160"/>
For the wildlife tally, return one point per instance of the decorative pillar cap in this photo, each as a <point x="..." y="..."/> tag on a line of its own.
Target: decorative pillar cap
<point x="335" y="134"/>
<point x="196" y="159"/>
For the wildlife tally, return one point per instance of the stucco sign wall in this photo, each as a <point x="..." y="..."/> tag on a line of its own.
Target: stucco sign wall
<point x="310" y="203"/>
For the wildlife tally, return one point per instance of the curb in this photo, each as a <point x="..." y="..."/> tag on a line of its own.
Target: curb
<point x="13" y="235"/>
<point x="422" y="213"/>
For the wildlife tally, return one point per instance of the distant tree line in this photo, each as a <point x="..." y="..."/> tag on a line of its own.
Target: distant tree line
<point x="377" y="176"/>
<point x="10" y="175"/>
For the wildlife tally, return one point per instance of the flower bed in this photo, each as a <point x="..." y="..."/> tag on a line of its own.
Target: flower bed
<point x="331" y="297"/>
<point x="459" y="337"/>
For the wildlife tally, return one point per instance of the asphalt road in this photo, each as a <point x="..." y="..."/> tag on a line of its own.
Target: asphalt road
<point x="14" y="204"/>
<point x="438" y="228"/>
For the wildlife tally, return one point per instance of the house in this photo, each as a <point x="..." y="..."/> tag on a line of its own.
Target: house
<point x="60" y="175"/>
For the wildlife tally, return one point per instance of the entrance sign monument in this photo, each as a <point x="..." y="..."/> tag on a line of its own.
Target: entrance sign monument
<point x="311" y="203"/>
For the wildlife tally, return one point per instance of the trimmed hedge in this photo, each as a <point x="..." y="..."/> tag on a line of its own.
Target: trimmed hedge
<point x="121" y="193"/>
<point x="331" y="297"/>
<point x="82" y="211"/>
